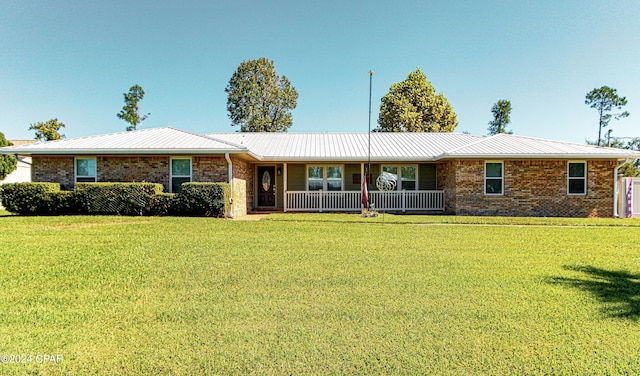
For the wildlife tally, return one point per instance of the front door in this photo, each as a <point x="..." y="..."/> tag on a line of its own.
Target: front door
<point x="266" y="186"/>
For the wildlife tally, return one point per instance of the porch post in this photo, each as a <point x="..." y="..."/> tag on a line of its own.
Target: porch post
<point x="404" y="200"/>
<point x="362" y="180"/>
<point x="284" y="186"/>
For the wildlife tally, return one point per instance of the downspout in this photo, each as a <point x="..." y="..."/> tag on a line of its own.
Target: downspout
<point x="230" y="174"/>
<point x="615" y="188"/>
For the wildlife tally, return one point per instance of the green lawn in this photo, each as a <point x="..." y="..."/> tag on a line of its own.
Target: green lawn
<point x="320" y="294"/>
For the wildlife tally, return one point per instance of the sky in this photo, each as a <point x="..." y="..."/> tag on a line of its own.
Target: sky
<point x="73" y="60"/>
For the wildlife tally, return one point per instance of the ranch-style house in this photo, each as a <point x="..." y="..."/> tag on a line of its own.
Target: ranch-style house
<point x="448" y="173"/>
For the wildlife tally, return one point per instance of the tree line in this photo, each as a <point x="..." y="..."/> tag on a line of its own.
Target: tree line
<point x="260" y="100"/>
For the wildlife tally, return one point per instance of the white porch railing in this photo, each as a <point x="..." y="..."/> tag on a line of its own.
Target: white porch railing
<point x="352" y="200"/>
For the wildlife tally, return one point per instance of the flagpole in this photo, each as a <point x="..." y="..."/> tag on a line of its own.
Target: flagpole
<point x="368" y="174"/>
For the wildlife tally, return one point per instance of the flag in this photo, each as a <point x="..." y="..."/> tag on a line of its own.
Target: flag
<point x="365" y="194"/>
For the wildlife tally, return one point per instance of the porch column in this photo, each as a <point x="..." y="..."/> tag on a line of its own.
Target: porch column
<point x="284" y="186"/>
<point x="362" y="180"/>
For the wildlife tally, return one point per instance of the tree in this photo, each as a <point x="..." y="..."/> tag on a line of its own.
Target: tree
<point x="413" y="106"/>
<point x="501" y="117"/>
<point x="47" y="130"/>
<point x="604" y="100"/>
<point x="129" y="112"/>
<point x="7" y="162"/>
<point x="258" y="99"/>
<point x="630" y="168"/>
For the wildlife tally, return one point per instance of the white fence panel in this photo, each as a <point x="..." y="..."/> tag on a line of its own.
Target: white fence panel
<point x="321" y="201"/>
<point x="629" y="194"/>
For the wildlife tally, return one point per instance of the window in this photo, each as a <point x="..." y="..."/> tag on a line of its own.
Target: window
<point x="316" y="178"/>
<point x="493" y="178"/>
<point x="334" y="178"/>
<point x="407" y="180"/>
<point x="577" y="179"/>
<point x="86" y="170"/>
<point x="180" y="173"/>
<point x="327" y="178"/>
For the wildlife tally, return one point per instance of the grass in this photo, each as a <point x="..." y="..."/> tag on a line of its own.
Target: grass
<point x="320" y="294"/>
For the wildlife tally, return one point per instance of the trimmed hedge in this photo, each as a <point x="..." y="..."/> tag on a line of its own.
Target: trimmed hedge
<point x="33" y="198"/>
<point x="208" y="199"/>
<point x="117" y="198"/>
<point x="199" y="199"/>
<point x="162" y="204"/>
<point x="64" y="202"/>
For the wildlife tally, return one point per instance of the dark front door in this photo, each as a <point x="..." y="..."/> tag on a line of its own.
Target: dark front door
<point x="266" y="186"/>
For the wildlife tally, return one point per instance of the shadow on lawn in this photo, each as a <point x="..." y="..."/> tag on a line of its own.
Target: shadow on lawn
<point x="619" y="291"/>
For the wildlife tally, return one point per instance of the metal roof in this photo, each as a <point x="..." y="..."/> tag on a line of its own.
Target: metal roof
<point x="22" y="142"/>
<point x="318" y="147"/>
<point x="512" y="146"/>
<point x="149" y="141"/>
<point x="385" y="147"/>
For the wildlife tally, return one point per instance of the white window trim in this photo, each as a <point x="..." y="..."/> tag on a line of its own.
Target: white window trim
<point x="582" y="178"/>
<point x="171" y="176"/>
<point x="75" y="168"/>
<point x="484" y="188"/>
<point x="399" y="169"/>
<point x="324" y="175"/>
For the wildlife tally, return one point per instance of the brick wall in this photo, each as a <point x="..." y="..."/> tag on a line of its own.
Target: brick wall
<point x="531" y="188"/>
<point x="242" y="186"/>
<point x="55" y="169"/>
<point x="446" y="180"/>
<point x="212" y="169"/>
<point x="152" y="169"/>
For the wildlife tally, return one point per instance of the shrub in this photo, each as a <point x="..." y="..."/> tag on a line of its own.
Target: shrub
<point x="64" y="202"/>
<point x="162" y="204"/>
<point x="31" y="198"/>
<point x="117" y="198"/>
<point x="208" y="199"/>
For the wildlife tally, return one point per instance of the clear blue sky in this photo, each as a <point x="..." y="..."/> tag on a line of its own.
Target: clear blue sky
<point x="74" y="59"/>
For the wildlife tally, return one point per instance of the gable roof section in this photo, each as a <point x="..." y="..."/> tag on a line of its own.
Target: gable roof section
<point x="319" y="147"/>
<point x="165" y="140"/>
<point x="506" y="146"/>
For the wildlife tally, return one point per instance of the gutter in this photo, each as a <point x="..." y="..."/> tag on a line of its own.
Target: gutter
<point x="230" y="174"/>
<point x="615" y="189"/>
<point x="116" y="151"/>
<point x="563" y="156"/>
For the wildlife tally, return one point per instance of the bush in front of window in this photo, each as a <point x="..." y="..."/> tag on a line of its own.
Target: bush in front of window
<point x="207" y="199"/>
<point x="116" y="198"/>
<point x="63" y="203"/>
<point x="163" y="204"/>
<point x="31" y="198"/>
<point x="197" y="199"/>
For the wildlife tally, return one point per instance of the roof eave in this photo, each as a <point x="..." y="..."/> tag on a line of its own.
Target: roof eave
<point x="123" y="151"/>
<point x="359" y="159"/>
<point x="537" y="156"/>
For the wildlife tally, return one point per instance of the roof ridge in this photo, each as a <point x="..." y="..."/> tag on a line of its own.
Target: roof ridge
<point x="225" y="142"/>
<point x="155" y="129"/>
<point x="338" y="133"/>
<point x="475" y="142"/>
<point x="105" y="134"/>
<point x="563" y="142"/>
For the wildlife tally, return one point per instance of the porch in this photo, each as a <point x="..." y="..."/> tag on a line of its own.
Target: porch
<point x="319" y="201"/>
